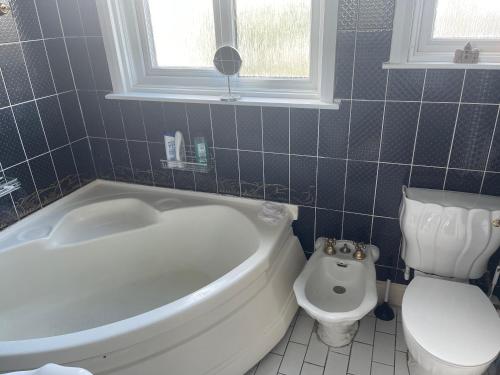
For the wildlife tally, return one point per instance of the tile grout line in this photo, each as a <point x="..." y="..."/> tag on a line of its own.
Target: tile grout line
<point x="237" y="146"/>
<point x="213" y="144"/>
<point x="489" y="151"/>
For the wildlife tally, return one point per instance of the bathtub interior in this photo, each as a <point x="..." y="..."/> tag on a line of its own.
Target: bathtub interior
<point x="117" y="259"/>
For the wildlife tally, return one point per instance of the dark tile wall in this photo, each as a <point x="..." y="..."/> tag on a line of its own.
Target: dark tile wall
<point x="43" y="140"/>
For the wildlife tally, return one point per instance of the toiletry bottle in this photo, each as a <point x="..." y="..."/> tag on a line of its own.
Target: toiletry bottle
<point x="201" y="150"/>
<point x="180" y="146"/>
<point x="170" y="146"/>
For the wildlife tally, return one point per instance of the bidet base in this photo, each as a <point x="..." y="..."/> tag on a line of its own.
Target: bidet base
<point x="337" y="334"/>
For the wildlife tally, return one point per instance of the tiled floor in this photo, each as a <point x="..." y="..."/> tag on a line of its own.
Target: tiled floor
<point x="379" y="348"/>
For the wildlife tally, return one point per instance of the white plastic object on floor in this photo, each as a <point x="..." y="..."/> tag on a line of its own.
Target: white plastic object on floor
<point x="338" y="291"/>
<point x="52" y="369"/>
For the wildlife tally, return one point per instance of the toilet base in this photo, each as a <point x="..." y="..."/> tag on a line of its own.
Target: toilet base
<point x="337" y="334"/>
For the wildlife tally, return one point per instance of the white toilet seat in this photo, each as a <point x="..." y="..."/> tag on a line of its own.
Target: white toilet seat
<point x="450" y="328"/>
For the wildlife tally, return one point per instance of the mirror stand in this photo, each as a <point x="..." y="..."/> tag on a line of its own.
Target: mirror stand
<point x="229" y="97"/>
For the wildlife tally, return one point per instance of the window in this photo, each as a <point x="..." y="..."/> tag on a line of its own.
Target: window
<point x="165" y="47"/>
<point x="430" y="31"/>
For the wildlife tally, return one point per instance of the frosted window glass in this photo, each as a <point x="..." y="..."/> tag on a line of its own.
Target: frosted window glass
<point x="467" y="19"/>
<point x="183" y="32"/>
<point x="274" y="37"/>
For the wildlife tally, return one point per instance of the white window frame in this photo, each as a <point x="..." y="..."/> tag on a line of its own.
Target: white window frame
<point x="132" y="74"/>
<point x="413" y="46"/>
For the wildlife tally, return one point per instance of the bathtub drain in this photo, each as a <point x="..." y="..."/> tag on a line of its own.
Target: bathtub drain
<point x="339" y="289"/>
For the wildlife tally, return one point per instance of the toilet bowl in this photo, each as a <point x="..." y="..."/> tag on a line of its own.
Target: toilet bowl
<point x="338" y="290"/>
<point x="450" y="328"/>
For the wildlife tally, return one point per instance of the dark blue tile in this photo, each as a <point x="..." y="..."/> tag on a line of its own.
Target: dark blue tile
<point x="99" y="64"/>
<point x="491" y="184"/>
<point x="102" y="158"/>
<point x="72" y="116"/>
<point x="331" y="182"/>
<point x="391" y="178"/>
<point x="276" y="177"/>
<point x="473" y="136"/>
<point x="435" y="132"/>
<point x="8" y="31"/>
<point x="357" y="227"/>
<point x="141" y="163"/>
<point x="427" y="177"/>
<point x="334" y="131"/>
<point x="344" y="60"/>
<point x="26" y="198"/>
<point x="460" y="180"/>
<point x="405" y="84"/>
<point x="304" y="228"/>
<point x="249" y="128"/>
<point x="348" y="15"/>
<point x="8" y="214"/>
<point x="184" y="180"/>
<point x="49" y="18"/>
<point x="276" y="129"/>
<point x="176" y="118"/>
<point x="224" y="126"/>
<point x="494" y="160"/>
<point x="251" y="174"/>
<point x="84" y="162"/>
<point x="38" y="68"/>
<point x="303" y="131"/>
<point x="59" y="63"/>
<point x="328" y="223"/>
<point x="112" y="117"/>
<point x="4" y="101"/>
<point x="198" y="116"/>
<point x="132" y="120"/>
<point x="360" y="186"/>
<point x="70" y="17"/>
<point x="80" y="63"/>
<point x="45" y="179"/>
<point x="15" y="73"/>
<point x="375" y="14"/>
<point x="383" y="273"/>
<point x="400" y="124"/>
<point x="372" y="49"/>
<point x="152" y="113"/>
<point x="52" y="121"/>
<point x="26" y="19"/>
<point x="227" y="171"/>
<point x="66" y="169"/>
<point x="442" y="85"/>
<point x="366" y="125"/>
<point x="482" y="86"/>
<point x="92" y="113"/>
<point x="206" y="182"/>
<point x="303" y="180"/>
<point x="88" y="10"/>
<point x="387" y="236"/>
<point x="30" y="128"/>
<point x="11" y="151"/>
<point x="121" y="160"/>
<point x="161" y="176"/>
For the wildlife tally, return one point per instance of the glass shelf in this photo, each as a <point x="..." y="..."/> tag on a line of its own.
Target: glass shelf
<point x="190" y="164"/>
<point x="8" y="186"/>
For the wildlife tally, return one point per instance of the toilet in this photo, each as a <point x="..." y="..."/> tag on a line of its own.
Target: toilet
<point x="338" y="290"/>
<point x="450" y="326"/>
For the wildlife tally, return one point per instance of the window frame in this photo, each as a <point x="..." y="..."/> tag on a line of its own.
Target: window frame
<point x="413" y="45"/>
<point x="127" y="48"/>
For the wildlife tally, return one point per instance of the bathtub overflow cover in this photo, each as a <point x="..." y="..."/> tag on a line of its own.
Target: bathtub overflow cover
<point x="339" y="289"/>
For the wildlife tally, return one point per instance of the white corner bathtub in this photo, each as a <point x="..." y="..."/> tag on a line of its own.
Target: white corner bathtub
<point x="131" y="280"/>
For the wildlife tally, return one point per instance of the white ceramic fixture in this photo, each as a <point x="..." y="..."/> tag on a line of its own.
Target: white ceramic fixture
<point x="124" y="279"/>
<point x="52" y="369"/>
<point x="338" y="290"/>
<point x="450" y="326"/>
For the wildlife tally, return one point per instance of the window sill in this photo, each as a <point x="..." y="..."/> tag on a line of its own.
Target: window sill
<point x="438" y="65"/>
<point x="210" y="99"/>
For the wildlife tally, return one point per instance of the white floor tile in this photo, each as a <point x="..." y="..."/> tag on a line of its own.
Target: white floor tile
<point x="381" y="369"/>
<point x="388" y="326"/>
<point x="302" y="329"/>
<point x="269" y="365"/>
<point x="383" y="348"/>
<point x="292" y="361"/>
<point x="346" y="350"/>
<point x="361" y="356"/>
<point x="401" y="364"/>
<point x="400" y="339"/>
<point x="308" y="369"/>
<point x="317" y="351"/>
<point x="336" y="364"/>
<point x="281" y="346"/>
<point x="366" y="330"/>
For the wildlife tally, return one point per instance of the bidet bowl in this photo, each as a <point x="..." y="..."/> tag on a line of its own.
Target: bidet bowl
<point x="337" y="291"/>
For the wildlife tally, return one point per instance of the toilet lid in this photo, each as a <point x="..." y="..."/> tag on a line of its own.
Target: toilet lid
<point x="452" y="321"/>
